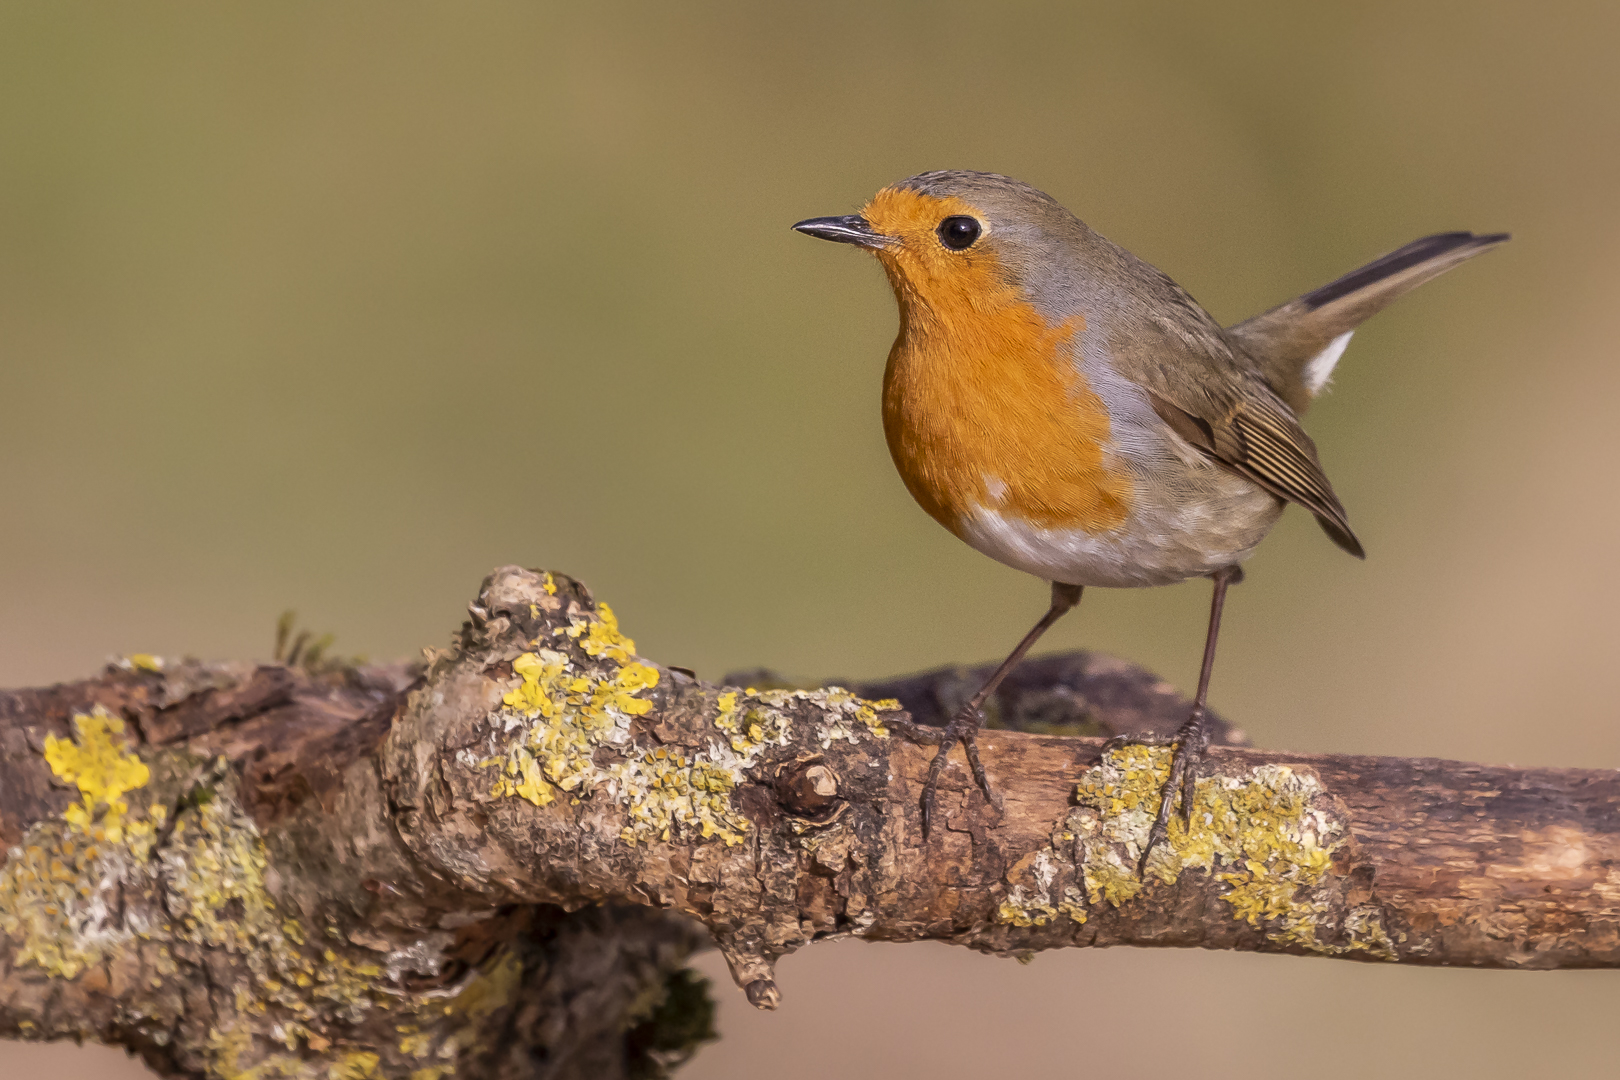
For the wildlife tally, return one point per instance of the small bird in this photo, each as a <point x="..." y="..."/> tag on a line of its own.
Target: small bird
<point x="1068" y="410"/>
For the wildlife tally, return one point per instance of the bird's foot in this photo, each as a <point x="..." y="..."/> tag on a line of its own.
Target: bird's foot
<point x="963" y="728"/>
<point x="1190" y="742"/>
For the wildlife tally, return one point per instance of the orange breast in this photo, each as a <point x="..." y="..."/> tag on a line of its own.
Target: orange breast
<point x="983" y="407"/>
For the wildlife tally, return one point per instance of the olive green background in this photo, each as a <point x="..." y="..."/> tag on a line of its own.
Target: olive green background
<point x="337" y="306"/>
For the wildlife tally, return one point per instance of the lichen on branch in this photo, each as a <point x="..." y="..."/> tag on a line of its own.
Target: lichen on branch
<point x="505" y="854"/>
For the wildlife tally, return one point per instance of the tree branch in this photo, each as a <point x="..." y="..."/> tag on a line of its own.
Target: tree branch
<point x="356" y="871"/>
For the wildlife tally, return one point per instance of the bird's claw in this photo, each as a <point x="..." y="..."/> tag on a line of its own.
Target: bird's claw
<point x="1190" y="742"/>
<point x="964" y="729"/>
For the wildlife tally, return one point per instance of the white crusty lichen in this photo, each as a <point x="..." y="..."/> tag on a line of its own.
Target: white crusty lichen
<point x="667" y="790"/>
<point x="848" y="718"/>
<point x="664" y="790"/>
<point x="1035" y="905"/>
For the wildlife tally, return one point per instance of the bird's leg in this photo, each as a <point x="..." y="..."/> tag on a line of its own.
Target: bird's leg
<point x="1193" y="738"/>
<point x="964" y="726"/>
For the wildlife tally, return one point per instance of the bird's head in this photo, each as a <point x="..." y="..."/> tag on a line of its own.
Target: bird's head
<point x="954" y="242"/>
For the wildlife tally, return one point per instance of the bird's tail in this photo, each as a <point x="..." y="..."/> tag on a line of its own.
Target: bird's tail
<point x="1298" y="343"/>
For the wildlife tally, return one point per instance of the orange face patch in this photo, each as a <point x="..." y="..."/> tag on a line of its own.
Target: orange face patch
<point x="982" y="404"/>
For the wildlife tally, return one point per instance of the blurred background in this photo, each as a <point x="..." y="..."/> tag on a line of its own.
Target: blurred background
<point x="336" y="307"/>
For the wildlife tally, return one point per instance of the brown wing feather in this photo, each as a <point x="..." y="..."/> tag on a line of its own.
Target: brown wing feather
<point x="1217" y="398"/>
<point x="1260" y="440"/>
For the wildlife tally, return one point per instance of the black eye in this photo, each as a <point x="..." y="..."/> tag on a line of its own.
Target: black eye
<point x="958" y="232"/>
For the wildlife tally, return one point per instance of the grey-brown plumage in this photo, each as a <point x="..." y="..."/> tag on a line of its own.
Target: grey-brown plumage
<point x="1286" y="338"/>
<point x="1236" y="394"/>
<point x="1199" y="442"/>
<point x="1269" y="446"/>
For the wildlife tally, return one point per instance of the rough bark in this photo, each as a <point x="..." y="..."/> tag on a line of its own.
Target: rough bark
<point x="495" y="863"/>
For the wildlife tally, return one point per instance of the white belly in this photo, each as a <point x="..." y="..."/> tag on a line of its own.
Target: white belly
<point x="1170" y="536"/>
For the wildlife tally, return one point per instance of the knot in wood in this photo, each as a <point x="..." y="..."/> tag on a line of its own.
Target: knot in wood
<point x="808" y="789"/>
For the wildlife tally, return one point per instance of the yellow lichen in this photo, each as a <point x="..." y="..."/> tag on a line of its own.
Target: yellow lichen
<point x="413" y="1042"/>
<point x="1110" y="880"/>
<point x="564" y="713"/>
<point x="533" y="696"/>
<point x="85" y="886"/>
<point x="867" y="714"/>
<point x="58" y="890"/>
<point x="621" y="693"/>
<point x="1018" y="911"/>
<point x="565" y="708"/>
<point x="1260" y="833"/>
<point x="232" y="1055"/>
<point x="841" y="707"/>
<point x="568" y="706"/>
<point x="103" y="769"/>
<point x="1364" y="927"/>
<point x="1034" y="904"/>
<point x="354" y="1065"/>
<point x="601" y="635"/>
<point x="215" y="870"/>
<point x="751" y="726"/>
<point x="1073" y="907"/>
<point x="70" y="896"/>
<point x="666" y="790"/>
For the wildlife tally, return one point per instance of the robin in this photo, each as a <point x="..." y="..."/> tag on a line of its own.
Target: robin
<point x="1067" y="409"/>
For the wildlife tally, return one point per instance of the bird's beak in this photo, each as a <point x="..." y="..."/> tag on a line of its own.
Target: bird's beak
<point x="853" y="229"/>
